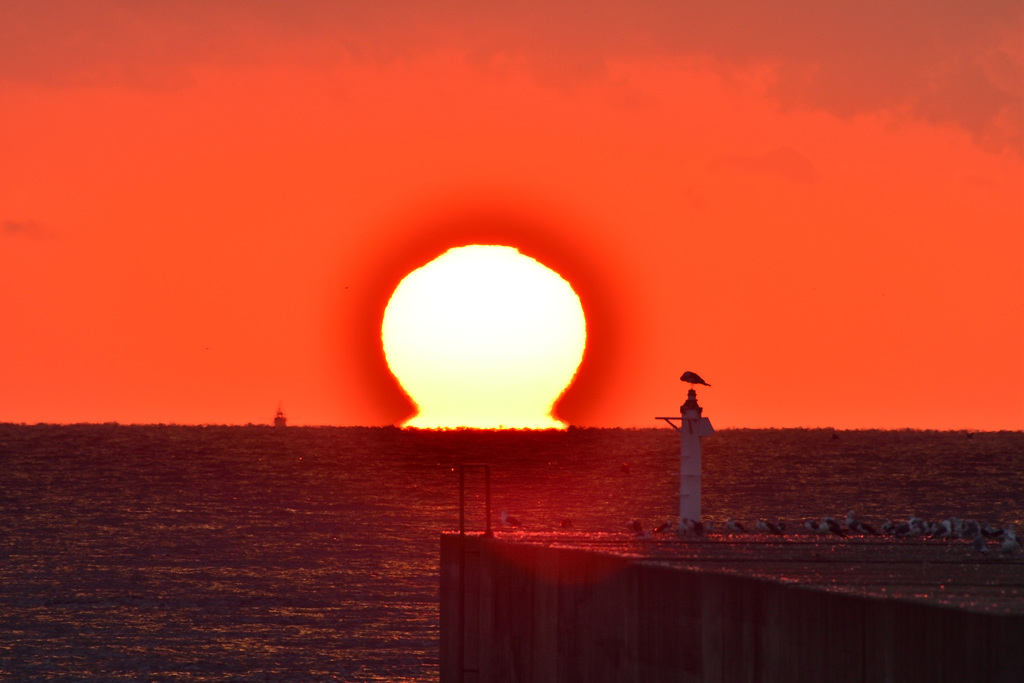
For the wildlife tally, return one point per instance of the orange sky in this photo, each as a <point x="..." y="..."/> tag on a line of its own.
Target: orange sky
<point x="204" y="207"/>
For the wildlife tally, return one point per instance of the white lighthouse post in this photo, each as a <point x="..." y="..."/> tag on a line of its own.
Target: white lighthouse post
<point x="692" y="428"/>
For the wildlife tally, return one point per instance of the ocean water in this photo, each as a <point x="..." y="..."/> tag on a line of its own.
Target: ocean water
<point x="253" y="553"/>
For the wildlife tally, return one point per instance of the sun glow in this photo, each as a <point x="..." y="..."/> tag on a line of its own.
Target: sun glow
<point x="484" y="337"/>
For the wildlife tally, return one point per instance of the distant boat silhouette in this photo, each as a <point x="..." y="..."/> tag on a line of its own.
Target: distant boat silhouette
<point x="693" y="378"/>
<point x="279" y="419"/>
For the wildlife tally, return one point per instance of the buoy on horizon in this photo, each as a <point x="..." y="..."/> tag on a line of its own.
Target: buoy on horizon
<point x="692" y="378"/>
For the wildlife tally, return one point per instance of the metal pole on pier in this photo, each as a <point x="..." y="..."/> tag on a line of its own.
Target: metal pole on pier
<point x="692" y="427"/>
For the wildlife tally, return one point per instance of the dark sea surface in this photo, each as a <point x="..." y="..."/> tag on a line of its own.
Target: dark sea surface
<point x="297" y="554"/>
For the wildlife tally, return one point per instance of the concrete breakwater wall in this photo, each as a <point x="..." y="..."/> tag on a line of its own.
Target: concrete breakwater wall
<point x="516" y="611"/>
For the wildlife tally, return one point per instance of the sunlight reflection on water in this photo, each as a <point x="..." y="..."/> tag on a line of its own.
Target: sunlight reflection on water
<point x="312" y="554"/>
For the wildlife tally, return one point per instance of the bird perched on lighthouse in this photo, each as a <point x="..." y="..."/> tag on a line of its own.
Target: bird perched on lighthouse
<point x="692" y="378"/>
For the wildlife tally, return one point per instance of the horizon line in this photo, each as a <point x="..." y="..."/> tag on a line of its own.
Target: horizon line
<point x="270" y="425"/>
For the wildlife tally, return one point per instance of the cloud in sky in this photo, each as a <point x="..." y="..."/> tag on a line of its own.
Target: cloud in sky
<point x="946" y="62"/>
<point x="784" y="162"/>
<point x="27" y="228"/>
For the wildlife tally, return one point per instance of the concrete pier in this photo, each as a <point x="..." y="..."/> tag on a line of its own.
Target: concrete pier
<point x="590" y="608"/>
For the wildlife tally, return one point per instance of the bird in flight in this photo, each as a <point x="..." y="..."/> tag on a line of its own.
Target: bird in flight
<point x="693" y="378"/>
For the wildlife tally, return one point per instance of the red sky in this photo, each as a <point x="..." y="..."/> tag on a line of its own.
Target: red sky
<point x="819" y="207"/>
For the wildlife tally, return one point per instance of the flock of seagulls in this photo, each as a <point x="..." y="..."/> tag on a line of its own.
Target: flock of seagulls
<point x="829" y="525"/>
<point x="981" y="535"/>
<point x="687" y="527"/>
<point x="955" y="528"/>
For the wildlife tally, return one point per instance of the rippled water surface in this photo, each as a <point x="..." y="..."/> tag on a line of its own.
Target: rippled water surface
<point x="252" y="553"/>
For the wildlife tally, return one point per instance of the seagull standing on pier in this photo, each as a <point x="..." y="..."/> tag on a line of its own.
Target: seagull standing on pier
<point x="814" y="527"/>
<point x="690" y="527"/>
<point x="832" y="526"/>
<point x="692" y="378"/>
<point x="980" y="545"/>
<point x="509" y="520"/>
<point x="910" y="528"/>
<point x="1010" y="543"/>
<point x="857" y="526"/>
<point x="734" y="527"/>
<point x="970" y="529"/>
<point x="943" y="530"/>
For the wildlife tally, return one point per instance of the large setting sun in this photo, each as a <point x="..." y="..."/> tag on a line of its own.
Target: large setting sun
<point x="484" y="337"/>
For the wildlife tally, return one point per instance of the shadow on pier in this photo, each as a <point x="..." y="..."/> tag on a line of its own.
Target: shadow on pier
<point x="607" y="607"/>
